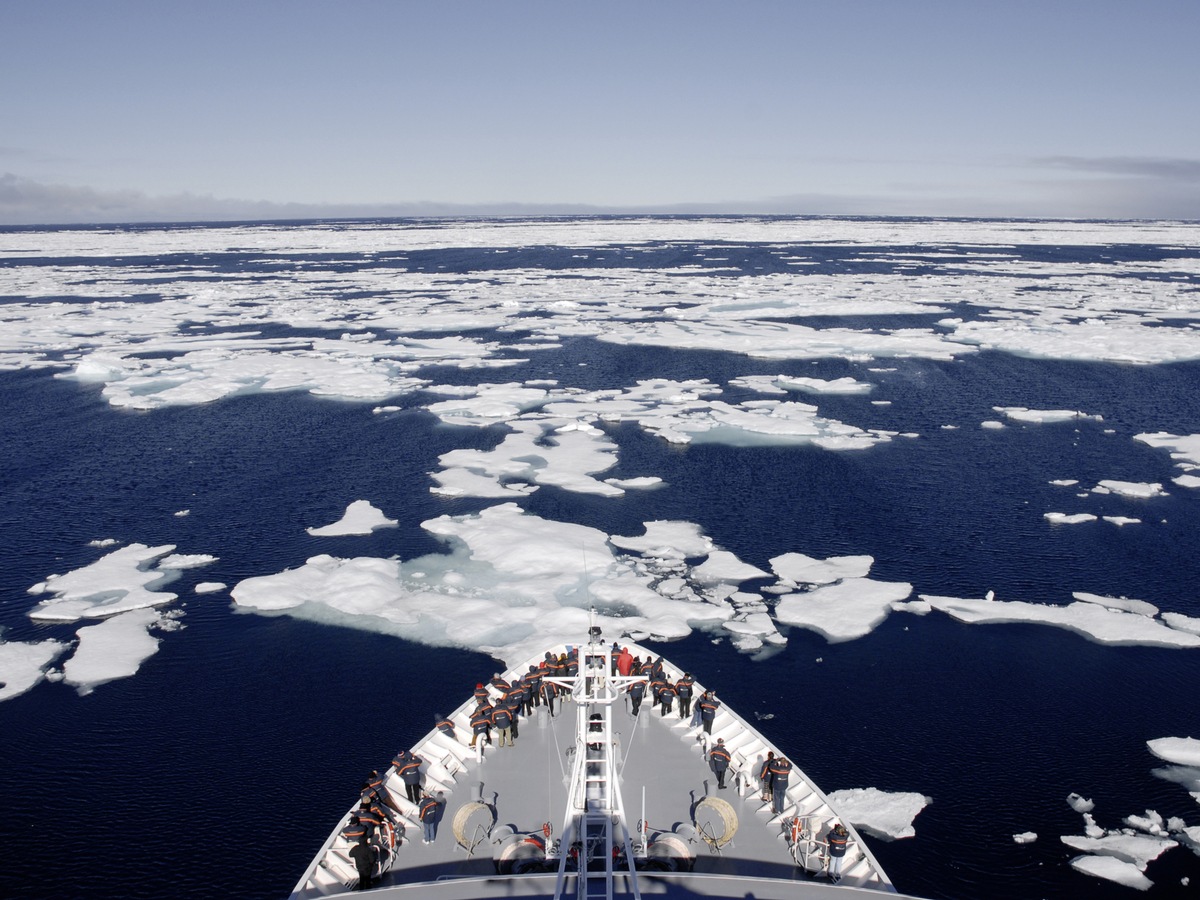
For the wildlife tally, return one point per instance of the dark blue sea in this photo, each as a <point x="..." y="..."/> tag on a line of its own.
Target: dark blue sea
<point x="221" y="766"/>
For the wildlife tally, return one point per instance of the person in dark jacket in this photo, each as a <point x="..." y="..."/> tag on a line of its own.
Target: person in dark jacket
<point x="708" y="711"/>
<point x="430" y="812"/>
<point x="368" y="817"/>
<point x="780" y="770"/>
<point x="354" y="830"/>
<point x="666" y="698"/>
<point x="533" y="678"/>
<point x="719" y="760"/>
<point x="365" y="856"/>
<point x="481" y="723"/>
<point x="502" y="719"/>
<point x="549" y="692"/>
<point x="684" y="690"/>
<point x="637" y="691"/>
<point x="408" y="767"/>
<point x="764" y="775"/>
<point x="838" y="840"/>
<point x="445" y="726"/>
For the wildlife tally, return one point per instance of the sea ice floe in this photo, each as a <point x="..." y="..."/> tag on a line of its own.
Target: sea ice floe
<point x="117" y="582"/>
<point x="1112" y="869"/>
<point x="23" y="665"/>
<point x="1080" y="804"/>
<point x="1182" y="751"/>
<point x="1039" y="416"/>
<point x="723" y="566"/>
<point x="1092" y="620"/>
<point x="670" y="540"/>
<point x="1129" y="489"/>
<point x="537" y="452"/>
<point x="511" y="583"/>
<point x="1184" y="449"/>
<point x="146" y="357"/>
<point x="116" y="648"/>
<point x="800" y="569"/>
<point x="361" y="517"/>
<point x="1058" y="518"/>
<point x="1025" y="837"/>
<point x="781" y="384"/>
<point x="1137" y="849"/>
<point x="1141" y="607"/>
<point x="179" y="561"/>
<point x="844" y="611"/>
<point x="888" y="815"/>
<point x="210" y="587"/>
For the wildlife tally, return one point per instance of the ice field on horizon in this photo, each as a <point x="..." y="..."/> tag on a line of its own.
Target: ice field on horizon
<point x="507" y="582"/>
<point x="197" y="343"/>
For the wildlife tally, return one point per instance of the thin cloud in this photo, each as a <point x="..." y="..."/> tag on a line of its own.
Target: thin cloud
<point x="1163" y="168"/>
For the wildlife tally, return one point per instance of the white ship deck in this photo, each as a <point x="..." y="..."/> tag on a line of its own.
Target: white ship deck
<point x="659" y="758"/>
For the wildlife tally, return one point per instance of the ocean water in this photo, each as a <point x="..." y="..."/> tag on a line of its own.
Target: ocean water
<point x="221" y="765"/>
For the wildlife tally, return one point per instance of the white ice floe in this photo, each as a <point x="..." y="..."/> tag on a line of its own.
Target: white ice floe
<point x="670" y="540"/>
<point x="115" y="583"/>
<point x="992" y="424"/>
<point x="844" y="611"/>
<point x="23" y="665"/>
<point x="641" y="483"/>
<point x="512" y="583"/>
<point x="487" y="404"/>
<point x="1151" y="823"/>
<point x="1184" y="449"/>
<point x="547" y="451"/>
<point x="1058" y="518"/>
<point x="1130" y="489"/>
<point x="361" y="517"/>
<point x="1065" y="482"/>
<point x="846" y="385"/>
<point x="116" y="648"/>
<point x="1040" y="416"/>
<point x="1180" y="622"/>
<point x="1080" y="804"/>
<point x="723" y="567"/>
<point x="1121" y="520"/>
<point x="186" y="561"/>
<point x="1141" y="607"/>
<point x="1186" y="776"/>
<point x="210" y="587"/>
<point x="1137" y="849"/>
<point x="797" y="568"/>
<point x="149" y="353"/>
<point x="1025" y="837"/>
<point x="1112" y="869"/>
<point x="1090" y="619"/>
<point x="888" y="815"/>
<point x="1182" y="751"/>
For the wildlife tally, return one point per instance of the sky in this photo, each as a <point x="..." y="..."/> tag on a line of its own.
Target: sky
<point x="129" y="110"/>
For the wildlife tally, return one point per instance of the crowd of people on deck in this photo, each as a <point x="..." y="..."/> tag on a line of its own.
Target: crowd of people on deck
<point x="499" y="706"/>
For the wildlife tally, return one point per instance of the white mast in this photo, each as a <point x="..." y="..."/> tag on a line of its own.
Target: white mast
<point x="594" y="820"/>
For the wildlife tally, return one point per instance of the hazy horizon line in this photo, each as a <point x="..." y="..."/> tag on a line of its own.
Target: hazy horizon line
<point x="25" y="202"/>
